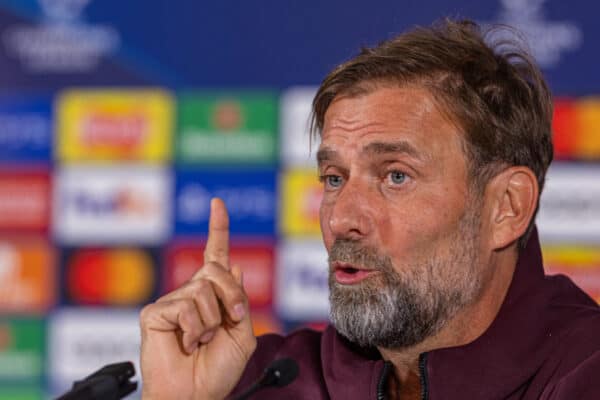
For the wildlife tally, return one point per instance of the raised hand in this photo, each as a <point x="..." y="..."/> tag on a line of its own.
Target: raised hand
<point x="197" y="340"/>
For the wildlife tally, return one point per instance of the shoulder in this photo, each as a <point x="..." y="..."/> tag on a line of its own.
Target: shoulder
<point x="580" y="381"/>
<point x="575" y="357"/>
<point x="299" y="344"/>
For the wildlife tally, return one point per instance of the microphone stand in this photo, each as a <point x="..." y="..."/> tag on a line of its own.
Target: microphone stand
<point x="110" y="382"/>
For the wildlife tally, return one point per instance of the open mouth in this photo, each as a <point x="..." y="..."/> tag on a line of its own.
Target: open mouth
<point x="349" y="270"/>
<point x="347" y="274"/>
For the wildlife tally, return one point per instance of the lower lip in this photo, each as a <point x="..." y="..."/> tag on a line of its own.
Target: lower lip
<point x="347" y="278"/>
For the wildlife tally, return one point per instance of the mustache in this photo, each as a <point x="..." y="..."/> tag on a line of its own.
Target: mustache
<point x="353" y="252"/>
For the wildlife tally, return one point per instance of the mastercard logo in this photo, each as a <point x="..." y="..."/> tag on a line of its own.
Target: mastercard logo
<point x="122" y="276"/>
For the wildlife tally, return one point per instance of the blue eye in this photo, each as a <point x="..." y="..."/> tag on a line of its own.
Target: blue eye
<point x="397" y="177"/>
<point x="334" y="181"/>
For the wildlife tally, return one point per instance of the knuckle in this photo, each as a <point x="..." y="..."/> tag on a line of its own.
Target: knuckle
<point x="146" y="314"/>
<point x="188" y="307"/>
<point x="213" y="267"/>
<point x="235" y="296"/>
<point x="188" y="314"/>
<point x="199" y="286"/>
<point x="212" y="320"/>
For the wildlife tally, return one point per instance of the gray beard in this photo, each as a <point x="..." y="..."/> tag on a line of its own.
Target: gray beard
<point x="398" y="310"/>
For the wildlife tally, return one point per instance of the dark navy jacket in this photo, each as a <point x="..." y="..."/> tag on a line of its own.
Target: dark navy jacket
<point x="543" y="344"/>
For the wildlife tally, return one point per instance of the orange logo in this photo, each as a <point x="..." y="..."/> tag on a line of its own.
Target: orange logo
<point x="27" y="276"/>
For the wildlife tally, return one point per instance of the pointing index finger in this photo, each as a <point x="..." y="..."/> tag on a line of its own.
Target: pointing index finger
<point x="217" y="245"/>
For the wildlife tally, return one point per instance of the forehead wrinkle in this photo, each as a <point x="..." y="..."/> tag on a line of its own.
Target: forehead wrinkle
<point x="401" y="146"/>
<point x="353" y="125"/>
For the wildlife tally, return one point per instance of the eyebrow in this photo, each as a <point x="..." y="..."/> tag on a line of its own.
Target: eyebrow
<point x="380" y="148"/>
<point x="326" y="154"/>
<point x="376" y="148"/>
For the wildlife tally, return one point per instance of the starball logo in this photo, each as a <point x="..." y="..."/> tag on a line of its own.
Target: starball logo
<point x="62" y="42"/>
<point x="549" y="40"/>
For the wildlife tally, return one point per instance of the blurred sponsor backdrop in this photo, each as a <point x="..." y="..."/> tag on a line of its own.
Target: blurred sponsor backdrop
<point x="120" y="120"/>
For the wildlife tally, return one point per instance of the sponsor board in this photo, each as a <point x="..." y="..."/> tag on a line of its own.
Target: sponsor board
<point x="112" y="204"/>
<point x="25" y="128"/>
<point x="563" y="127"/>
<point x="256" y="259"/>
<point x="22" y="351"/>
<point x="24" y="200"/>
<point x="227" y="128"/>
<point x="301" y="194"/>
<point x="17" y="392"/>
<point x="569" y="206"/>
<point x="302" y="292"/>
<point x="82" y="340"/>
<point x="114" y="125"/>
<point x="290" y="326"/>
<point x="586" y="139"/>
<point x="264" y="322"/>
<point x="119" y="276"/>
<point x="580" y="263"/>
<point x="27" y="276"/>
<point x="297" y="147"/>
<point x="250" y="197"/>
<point x="575" y="128"/>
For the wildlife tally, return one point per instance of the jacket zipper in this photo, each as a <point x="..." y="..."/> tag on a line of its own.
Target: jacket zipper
<point x="385" y="372"/>
<point x="381" y="385"/>
<point x="423" y="376"/>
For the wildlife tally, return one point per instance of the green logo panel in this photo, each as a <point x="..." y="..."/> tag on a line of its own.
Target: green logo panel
<point x="22" y="350"/>
<point x="227" y="128"/>
<point x="21" y="393"/>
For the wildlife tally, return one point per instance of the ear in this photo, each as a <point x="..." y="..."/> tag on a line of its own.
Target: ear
<point x="514" y="195"/>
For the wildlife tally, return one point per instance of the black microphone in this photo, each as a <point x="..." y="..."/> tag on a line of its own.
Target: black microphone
<point x="110" y="382"/>
<point x="278" y="374"/>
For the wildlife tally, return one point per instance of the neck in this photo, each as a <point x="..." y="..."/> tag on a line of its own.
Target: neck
<point x="463" y="328"/>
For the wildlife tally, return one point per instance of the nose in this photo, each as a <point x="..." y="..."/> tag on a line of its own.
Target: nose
<point x="351" y="213"/>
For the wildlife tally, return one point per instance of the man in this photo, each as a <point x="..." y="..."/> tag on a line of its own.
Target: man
<point x="433" y="153"/>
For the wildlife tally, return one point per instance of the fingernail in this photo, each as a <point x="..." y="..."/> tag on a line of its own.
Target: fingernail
<point x="207" y="336"/>
<point x="239" y="310"/>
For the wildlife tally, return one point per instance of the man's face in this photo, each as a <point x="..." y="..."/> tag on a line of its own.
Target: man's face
<point x="397" y="219"/>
